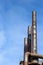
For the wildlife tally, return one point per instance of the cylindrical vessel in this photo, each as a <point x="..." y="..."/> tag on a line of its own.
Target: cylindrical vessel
<point x="34" y="32"/>
<point x="29" y="42"/>
<point x="29" y="30"/>
<point x="29" y="38"/>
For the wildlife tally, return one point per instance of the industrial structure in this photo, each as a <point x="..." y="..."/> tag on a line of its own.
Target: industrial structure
<point x="30" y="45"/>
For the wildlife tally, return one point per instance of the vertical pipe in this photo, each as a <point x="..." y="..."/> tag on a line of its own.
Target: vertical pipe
<point x="34" y="32"/>
<point x="29" y="38"/>
<point x="25" y="50"/>
<point x="25" y="46"/>
<point x="29" y="30"/>
<point x="29" y="42"/>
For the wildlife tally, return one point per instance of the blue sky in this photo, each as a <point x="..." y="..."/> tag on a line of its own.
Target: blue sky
<point x="15" y="16"/>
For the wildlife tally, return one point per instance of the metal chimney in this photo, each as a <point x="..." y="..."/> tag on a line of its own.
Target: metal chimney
<point x="34" y="32"/>
<point x="29" y="42"/>
<point x="29" y="38"/>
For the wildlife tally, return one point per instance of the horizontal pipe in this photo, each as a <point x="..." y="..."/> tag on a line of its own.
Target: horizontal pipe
<point x="34" y="55"/>
<point x="37" y="56"/>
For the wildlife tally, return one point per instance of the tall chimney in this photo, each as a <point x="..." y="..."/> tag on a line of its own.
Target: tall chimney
<point x="34" y="32"/>
<point x="29" y="42"/>
<point x="29" y="38"/>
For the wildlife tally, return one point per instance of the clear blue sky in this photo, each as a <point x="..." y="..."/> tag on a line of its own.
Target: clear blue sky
<point x="15" y="16"/>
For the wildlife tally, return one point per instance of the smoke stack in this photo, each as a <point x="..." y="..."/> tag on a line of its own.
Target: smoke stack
<point x="29" y="30"/>
<point x="29" y="38"/>
<point x="34" y="32"/>
<point x="29" y="42"/>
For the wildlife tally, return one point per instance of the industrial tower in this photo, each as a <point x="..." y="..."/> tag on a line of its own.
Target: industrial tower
<point x="30" y="45"/>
